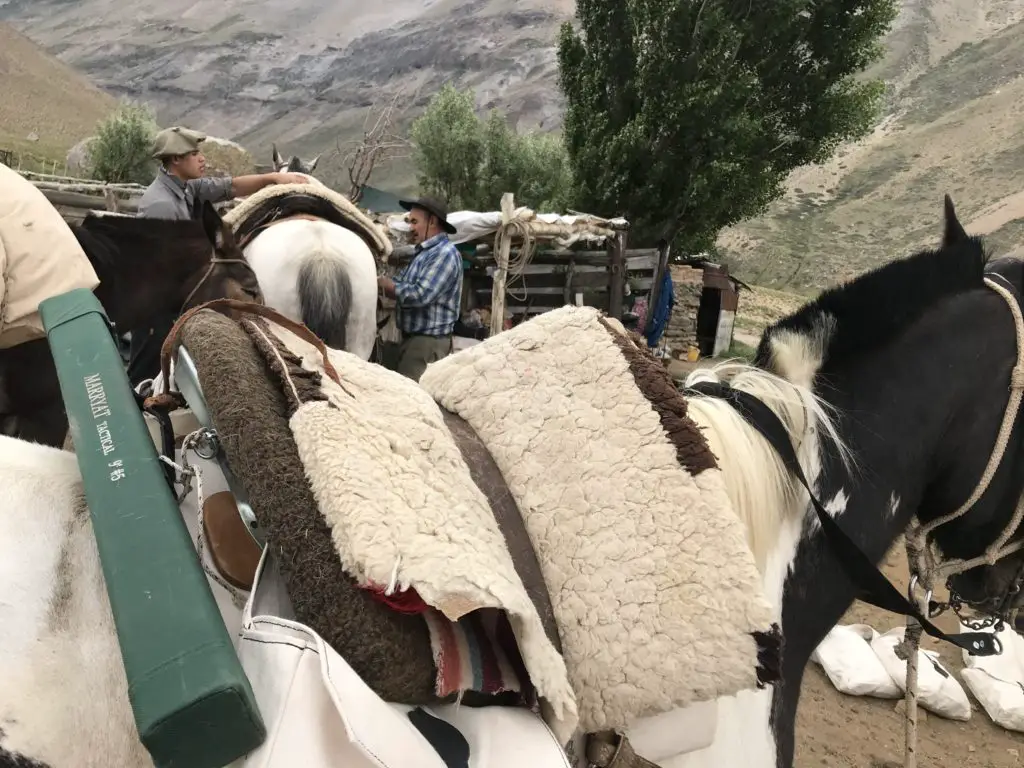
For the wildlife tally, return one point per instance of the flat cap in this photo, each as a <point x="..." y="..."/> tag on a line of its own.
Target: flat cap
<point x="171" y="142"/>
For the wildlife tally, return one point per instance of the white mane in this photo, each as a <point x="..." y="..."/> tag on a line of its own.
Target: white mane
<point x="763" y="492"/>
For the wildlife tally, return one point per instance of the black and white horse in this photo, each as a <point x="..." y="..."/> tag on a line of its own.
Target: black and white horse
<point x="891" y="388"/>
<point x="910" y="370"/>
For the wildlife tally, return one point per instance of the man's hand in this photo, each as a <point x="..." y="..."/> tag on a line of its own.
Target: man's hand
<point x="291" y="178"/>
<point x="387" y="285"/>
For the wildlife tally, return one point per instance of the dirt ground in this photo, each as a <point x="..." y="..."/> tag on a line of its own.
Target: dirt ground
<point x="853" y="731"/>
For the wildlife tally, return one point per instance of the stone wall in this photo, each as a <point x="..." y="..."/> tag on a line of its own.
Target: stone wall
<point x="681" y="334"/>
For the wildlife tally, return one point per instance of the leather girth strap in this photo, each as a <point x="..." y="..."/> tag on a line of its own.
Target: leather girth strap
<point x="606" y="749"/>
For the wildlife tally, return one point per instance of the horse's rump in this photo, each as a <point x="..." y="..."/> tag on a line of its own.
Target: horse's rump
<point x="39" y="258"/>
<point x="281" y="202"/>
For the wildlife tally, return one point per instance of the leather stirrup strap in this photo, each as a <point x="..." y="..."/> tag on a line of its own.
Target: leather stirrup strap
<point x="609" y="749"/>
<point x="491" y="482"/>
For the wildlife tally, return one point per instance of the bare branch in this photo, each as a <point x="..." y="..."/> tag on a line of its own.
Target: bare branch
<point x="377" y="146"/>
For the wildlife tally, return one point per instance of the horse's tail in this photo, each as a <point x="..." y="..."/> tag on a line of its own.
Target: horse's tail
<point x="325" y="298"/>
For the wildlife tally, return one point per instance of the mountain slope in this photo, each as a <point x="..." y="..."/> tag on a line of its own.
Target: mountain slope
<point x="956" y="74"/>
<point x="45" y="106"/>
<point x="303" y="76"/>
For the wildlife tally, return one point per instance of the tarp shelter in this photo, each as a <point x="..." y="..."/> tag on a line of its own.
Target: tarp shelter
<point x="379" y="200"/>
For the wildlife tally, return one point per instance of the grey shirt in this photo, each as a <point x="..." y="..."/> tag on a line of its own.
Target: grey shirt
<point x="168" y="197"/>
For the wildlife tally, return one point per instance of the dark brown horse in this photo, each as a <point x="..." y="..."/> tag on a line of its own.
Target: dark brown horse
<point x="145" y="267"/>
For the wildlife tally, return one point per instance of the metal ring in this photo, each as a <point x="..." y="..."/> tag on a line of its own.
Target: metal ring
<point x="206" y="445"/>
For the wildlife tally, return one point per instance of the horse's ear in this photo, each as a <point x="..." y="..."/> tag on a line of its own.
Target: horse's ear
<point x="278" y="160"/>
<point x="213" y="225"/>
<point x="955" y="232"/>
<point x="313" y="162"/>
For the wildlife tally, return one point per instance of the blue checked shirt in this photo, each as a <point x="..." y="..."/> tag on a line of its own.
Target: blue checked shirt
<point x="429" y="290"/>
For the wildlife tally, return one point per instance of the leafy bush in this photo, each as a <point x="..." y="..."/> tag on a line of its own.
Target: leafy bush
<point x="121" y="150"/>
<point x="473" y="162"/>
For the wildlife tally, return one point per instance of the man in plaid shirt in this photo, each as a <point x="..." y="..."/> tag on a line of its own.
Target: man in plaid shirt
<point x="428" y="292"/>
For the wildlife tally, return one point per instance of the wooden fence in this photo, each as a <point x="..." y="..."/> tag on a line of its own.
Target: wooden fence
<point x="555" y="278"/>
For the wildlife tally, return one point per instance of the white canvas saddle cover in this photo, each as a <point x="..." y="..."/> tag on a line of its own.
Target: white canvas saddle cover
<point x="39" y="258"/>
<point x="320" y="714"/>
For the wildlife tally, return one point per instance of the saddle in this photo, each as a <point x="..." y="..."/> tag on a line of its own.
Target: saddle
<point x="282" y="202"/>
<point x="457" y="454"/>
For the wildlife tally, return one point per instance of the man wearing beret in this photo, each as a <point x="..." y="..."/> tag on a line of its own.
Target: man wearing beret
<point x="428" y="292"/>
<point x="177" y="193"/>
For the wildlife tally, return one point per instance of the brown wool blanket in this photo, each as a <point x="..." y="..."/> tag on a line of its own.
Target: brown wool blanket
<point x="654" y="591"/>
<point x="389" y="650"/>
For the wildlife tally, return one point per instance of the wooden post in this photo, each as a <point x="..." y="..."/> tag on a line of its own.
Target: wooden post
<point x="501" y="251"/>
<point x="616" y="274"/>
<point x="664" y="250"/>
<point x="567" y="288"/>
<point x="111" y="199"/>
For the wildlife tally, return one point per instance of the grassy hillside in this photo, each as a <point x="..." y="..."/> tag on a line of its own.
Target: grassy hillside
<point x="44" y="98"/>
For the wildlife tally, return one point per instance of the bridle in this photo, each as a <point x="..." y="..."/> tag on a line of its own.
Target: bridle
<point x="214" y="261"/>
<point x="926" y="567"/>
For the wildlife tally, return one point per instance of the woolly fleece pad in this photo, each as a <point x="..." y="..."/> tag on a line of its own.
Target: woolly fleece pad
<point x="287" y="199"/>
<point x="656" y="594"/>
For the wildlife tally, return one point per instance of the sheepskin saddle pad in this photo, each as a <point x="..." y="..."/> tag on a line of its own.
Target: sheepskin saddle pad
<point x="280" y="202"/>
<point x="645" y="569"/>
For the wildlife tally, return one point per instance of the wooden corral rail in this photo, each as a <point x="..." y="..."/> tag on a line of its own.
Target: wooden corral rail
<point x="555" y="278"/>
<point x="74" y="198"/>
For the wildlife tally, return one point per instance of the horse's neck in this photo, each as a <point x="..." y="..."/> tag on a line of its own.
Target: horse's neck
<point x="128" y="289"/>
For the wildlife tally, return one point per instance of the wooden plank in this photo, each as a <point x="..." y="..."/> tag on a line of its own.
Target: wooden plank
<point x="616" y="274"/>
<point x="86" y="202"/>
<point x="552" y="300"/>
<point x="498" y="289"/>
<point x="636" y="264"/>
<point x="542" y="284"/>
<point x="639" y="259"/>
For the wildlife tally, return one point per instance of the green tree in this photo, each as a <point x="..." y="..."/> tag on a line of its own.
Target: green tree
<point x="448" y="146"/>
<point x="686" y="116"/>
<point x="121" y="151"/>
<point x="473" y="162"/>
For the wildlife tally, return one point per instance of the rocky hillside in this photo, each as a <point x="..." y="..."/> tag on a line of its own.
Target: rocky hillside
<point x="303" y="73"/>
<point x="955" y="70"/>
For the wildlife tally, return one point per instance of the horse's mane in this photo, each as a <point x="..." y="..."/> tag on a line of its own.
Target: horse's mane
<point x="866" y="312"/>
<point x="108" y="239"/>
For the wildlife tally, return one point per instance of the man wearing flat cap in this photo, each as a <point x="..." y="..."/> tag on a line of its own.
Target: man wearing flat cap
<point x="428" y="292"/>
<point x="177" y="193"/>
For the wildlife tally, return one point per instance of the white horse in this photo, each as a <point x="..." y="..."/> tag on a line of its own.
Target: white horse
<point x="319" y="274"/>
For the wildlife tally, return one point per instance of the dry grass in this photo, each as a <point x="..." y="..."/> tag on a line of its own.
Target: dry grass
<point x="44" y="98"/>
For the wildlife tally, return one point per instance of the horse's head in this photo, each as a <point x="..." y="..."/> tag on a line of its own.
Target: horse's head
<point x="225" y="273"/>
<point x="152" y="266"/>
<point x="918" y="357"/>
<point x="990" y="527"/>
<point x="293" y="164"/>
